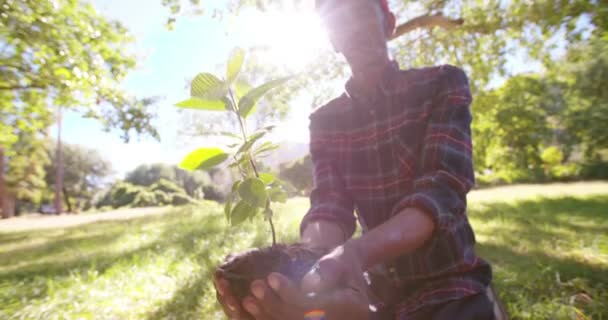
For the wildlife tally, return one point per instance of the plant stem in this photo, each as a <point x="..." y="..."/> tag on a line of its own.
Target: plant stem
<point x="235" y="108"/>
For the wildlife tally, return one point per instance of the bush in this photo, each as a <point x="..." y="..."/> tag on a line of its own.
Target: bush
<point x="166" y="186"/>
<point x="162" y="198"/>
<point x="211" y="192"/>
<point x="145" y="198"/>
<point x="595" y="170"/>
<point x="180" y="199"/>
<point x="123" y="194"/>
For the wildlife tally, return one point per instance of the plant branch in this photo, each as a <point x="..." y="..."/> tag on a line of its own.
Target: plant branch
<point x="19" y="87"/>
<point x="426" y="21"/>
<point x="253" y="166"/>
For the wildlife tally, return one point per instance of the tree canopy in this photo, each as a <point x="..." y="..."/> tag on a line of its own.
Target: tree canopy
<point x="60" y="54"/>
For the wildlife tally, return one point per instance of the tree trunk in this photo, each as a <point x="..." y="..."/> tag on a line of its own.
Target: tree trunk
<point x="66" y="198"/>
<point x="59" y="173"/>
<point x="5" y="202"/>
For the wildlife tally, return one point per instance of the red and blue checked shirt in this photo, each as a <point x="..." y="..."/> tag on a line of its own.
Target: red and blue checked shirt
<point x="407" y="146"/>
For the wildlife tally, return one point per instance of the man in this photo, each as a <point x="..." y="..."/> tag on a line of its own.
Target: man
<point x="397" y="147"/>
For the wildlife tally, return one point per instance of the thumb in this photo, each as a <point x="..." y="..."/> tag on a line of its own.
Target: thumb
<point x="325" y="275"/>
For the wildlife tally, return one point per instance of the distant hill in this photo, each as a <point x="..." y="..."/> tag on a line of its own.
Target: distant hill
<point x="289" y="151"/>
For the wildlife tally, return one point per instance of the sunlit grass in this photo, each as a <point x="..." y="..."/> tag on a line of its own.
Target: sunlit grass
<point x="550" y="258"/>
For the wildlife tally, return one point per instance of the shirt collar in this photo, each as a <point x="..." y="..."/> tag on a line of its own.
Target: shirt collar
<point x="383" y="89"/>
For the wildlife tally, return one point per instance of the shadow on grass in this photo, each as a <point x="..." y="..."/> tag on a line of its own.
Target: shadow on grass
<point x="177" y="234"/>
<point x="535" y="248"/>
<point x="185" y="301"/>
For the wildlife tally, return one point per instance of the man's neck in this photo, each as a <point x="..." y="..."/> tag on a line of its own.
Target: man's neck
<point x="367" y="79"/>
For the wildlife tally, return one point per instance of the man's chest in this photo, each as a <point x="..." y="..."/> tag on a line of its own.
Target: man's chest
<point x="376" y="147"/>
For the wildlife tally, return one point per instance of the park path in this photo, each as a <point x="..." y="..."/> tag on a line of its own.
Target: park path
<point x="504" y="193"/>
<point x="39" y="221"/>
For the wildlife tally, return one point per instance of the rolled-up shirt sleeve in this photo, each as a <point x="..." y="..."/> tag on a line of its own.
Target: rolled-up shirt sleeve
<point x="329" y="199"/>
<point x="445" y="172"/>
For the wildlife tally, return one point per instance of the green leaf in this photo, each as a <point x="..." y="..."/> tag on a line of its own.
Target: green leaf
<point x="252" y="139"/>
<point x="235" y="187"/>
<point x="267" y="178"/>
<point x="228" y="207"/>
<point x="253" y="96"/>
<point x="265" y="147"/>
<point x="253" y="191"/>
<point x="230" y="135"/>
<point x="202" y="104"/>
<point x="235" y="62"/>
<point x="241" y="88"/>
<point x="208" y="87"/>
<point x="277" y="194"/>
<point x="241" y="212"/>
<point x="203" y="158"/>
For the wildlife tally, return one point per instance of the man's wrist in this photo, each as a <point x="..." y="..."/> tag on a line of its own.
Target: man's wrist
<point x="356" y="247"/>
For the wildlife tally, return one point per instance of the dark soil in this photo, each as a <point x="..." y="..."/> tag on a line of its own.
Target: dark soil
<point x="293" y="261"/>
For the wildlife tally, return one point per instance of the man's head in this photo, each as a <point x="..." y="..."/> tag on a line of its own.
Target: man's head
<point x="359" y="29"/>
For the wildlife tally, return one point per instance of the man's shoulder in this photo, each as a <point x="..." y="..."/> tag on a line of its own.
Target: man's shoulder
<point x="430" y="77"/>
<point x="331" y="109"/>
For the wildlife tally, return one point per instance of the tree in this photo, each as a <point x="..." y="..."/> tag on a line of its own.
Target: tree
<point x="510" y="128"/>
<point x="585" y="70"/>
<point x="62" y="53"/>
<point x="548" y="124"/>
<point x="84" y="173"/>
<point x="299" y="174"/>
<point x="476" y="35"/>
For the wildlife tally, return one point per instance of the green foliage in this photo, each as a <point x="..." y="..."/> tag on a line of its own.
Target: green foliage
<point x="145" y="198"/>
<point x="64" y="53"/>
<point x="543" y="127"/>
<point x="161" y="193"/>
<point x="252" y="186"/>
<point x="123" y="194"/>
<point x="166" y="186"/>
<point x="192" y="182"/>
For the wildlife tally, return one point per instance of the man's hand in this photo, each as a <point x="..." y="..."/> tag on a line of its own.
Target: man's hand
<point x="231" y="306"/>
<point x="338" y="283"/>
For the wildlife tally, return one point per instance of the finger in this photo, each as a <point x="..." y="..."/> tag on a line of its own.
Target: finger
<point x="229" y="302"/>
<point x="271" y="303"/>
<point x="286" y="290"/>
<point x="325" y="276"/>
<point x="231" y="310"/>
<point x="221" y="285"/>
<point x="255" y="309"/>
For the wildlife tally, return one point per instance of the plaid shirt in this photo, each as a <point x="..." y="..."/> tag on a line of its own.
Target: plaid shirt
<point x="408" y="146"/>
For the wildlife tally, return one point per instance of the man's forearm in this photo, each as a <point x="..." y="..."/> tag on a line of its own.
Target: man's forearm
<point x="323" y="234"/>
<point x="403" y="233"/>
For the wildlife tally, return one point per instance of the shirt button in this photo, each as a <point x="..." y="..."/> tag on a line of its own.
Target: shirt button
<point x="372" y="112"/>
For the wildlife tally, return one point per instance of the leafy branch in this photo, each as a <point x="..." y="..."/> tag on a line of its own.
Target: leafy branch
<point x="255" y="191"/>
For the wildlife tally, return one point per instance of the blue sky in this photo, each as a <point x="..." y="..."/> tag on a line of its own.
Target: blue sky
<point x="167" y="58"/>
<point x="196" y="44"/>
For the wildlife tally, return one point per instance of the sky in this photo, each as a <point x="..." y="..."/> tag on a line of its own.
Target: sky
<point x="167" y="58"/>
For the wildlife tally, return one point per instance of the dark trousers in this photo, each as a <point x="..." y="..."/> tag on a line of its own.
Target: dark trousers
<point x="476" y="307"/>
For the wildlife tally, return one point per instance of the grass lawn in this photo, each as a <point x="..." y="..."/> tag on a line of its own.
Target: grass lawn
<point x="550" y="258"/>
